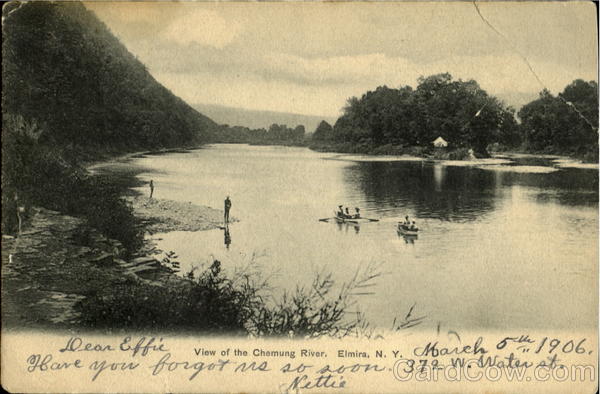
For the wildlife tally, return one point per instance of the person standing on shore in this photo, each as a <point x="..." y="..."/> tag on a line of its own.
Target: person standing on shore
<point x="151" y="188"/>
<point x="227" y="208"/>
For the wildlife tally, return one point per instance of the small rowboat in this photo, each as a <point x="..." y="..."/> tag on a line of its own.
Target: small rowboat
<point x="354" y="221"/>
<point x="405" y="230"/>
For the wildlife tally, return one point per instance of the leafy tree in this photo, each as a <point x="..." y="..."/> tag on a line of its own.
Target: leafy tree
<point x="582" y="99"/>
<point x="298" y="133"/>
<point x="565" y="124"/>
<point x="323" y="132"/>
<point x="509" y="134"/>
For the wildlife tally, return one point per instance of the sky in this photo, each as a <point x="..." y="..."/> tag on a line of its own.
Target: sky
<point x="309" y="58"/>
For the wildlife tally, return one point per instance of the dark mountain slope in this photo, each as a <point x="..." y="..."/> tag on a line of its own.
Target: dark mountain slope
<point x="67" y="72"/>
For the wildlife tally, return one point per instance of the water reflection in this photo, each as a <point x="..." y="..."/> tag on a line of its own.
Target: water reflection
<point x="568" y="186"/>
<point x="227" y="236"/>
<point x="344" y="226"/>
<point x="438" y="176"/>
<point x="431" y="191"/>
<point x="457" y="193"/>
<point x="408" y="238"/>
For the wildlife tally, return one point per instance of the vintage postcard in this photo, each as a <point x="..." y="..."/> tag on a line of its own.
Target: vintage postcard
<point x="297" y="197"/>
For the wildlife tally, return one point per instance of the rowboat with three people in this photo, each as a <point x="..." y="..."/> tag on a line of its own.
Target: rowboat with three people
<point x="344" y="216"/>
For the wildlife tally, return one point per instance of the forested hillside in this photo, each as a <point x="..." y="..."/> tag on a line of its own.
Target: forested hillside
<point x="64" y="70"/>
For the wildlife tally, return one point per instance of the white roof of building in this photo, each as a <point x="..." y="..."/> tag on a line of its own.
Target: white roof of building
<point x="439" y="141"/>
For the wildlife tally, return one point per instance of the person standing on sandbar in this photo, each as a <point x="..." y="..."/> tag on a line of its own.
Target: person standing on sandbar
<point x="227" y="208"/>
<point x="151" y="188"/>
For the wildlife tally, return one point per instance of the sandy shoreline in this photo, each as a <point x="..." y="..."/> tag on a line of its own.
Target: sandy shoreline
<point x="161" y="215"/>
<point x="157" y="215"/>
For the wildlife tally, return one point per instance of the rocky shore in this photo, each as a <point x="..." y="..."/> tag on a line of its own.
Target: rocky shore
<point x="58" y="260"/>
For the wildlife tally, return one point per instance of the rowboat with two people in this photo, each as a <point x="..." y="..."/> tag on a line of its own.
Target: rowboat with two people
<point x="408" y="228"/>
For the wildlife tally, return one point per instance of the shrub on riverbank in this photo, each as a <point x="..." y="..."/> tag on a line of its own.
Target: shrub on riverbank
<point x="210" y="303"/>
<point x="455" y="154"/>
<point x="238" y="305"/>
<point x="590" y="157"/>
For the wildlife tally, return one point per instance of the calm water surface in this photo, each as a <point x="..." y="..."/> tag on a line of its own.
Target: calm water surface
<point x="511" y="246"/>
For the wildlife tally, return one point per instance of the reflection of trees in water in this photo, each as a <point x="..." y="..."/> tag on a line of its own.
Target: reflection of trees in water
<point x="567" y="186"/>
<point x="431" y="191"/>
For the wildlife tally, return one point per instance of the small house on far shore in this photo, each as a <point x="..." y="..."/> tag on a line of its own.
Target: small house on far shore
<point x="440" y="142"/>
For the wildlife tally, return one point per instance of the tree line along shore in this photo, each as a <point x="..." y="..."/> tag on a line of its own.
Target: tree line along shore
<point x="406" y="120"/>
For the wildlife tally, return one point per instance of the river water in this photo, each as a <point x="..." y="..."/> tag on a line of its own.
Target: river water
<point x="509" y="245"/>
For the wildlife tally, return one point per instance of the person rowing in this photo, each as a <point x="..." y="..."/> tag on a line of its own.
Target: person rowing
<point x="340" y="213"/>
<point x="357" y="214"/>
<point x="347" y="215"/>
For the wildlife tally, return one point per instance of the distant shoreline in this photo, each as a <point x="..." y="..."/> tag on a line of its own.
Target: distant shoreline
<point x="408" y="153"/>
<point x="100" y="162"/>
